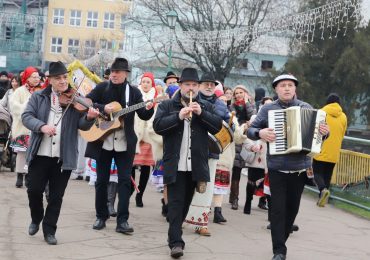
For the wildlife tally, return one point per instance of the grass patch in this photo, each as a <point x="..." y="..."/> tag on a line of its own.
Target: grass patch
<point x="352" y="209"/>
<point x="344" y="206"/>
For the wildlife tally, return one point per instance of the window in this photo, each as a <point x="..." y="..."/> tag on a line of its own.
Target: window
<point x="109" y="20"/>
<point x="89" y="48"/>
<point x="58" y="17"/>
<point x="106" y="45"/>
<point x="241" y="64"/>
<point x="9" y="33"/>
<point x="92" y="19"/>
<point x="75" y="18"/>
<point x="266" y="64"/>
<point x="73" y="45"/>
<point x="56" y="45"/>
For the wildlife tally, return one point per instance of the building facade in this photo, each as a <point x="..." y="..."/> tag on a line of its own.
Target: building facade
<point x="79" y="29"/>
<point x="22" y="26"/>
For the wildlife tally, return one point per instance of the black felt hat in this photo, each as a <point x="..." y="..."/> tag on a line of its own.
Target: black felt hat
<point x="57" y="68"/>
<point x="170" y="75"/>
<point x="189" y="74"/>
<point x="208" y="77"/>
<point x="120" y="64"/>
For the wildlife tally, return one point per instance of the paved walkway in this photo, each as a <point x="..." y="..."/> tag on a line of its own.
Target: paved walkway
<point x="325" y="233"/>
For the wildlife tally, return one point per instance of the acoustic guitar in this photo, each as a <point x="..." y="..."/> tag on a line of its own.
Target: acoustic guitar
<point x="102" y="128"/>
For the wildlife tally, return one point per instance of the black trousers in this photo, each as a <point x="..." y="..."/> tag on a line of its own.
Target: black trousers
<point x="322" y="172"/>
<point x="254" y="174"/>
<point x="179" y="195"/>
<point x="144" y="177"/>
<point x="124" y="162"/>
<point x="235" y="175"/>
<point x="42" y="170"/>
<point x="286" y="191"/>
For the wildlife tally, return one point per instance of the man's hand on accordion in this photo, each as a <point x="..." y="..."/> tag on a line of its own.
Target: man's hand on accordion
<point x="324" y="128"/>
<point x="267" y="134"/>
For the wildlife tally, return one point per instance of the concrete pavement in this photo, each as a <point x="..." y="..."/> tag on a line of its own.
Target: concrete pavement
<point x="325" y="233"/>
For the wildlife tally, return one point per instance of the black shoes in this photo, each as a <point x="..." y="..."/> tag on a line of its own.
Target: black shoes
<point x="177" y="252"/>
<point x="50" y="239"/>
<point x="80" y="178"/>
<point x="164" y="208"/>
<point x="294" y="228"/>
<point x="112" y="211"/>
<point x="279" y="257"/>
<point x="33" y="229"/>
<point x="124" y="228"/>
<point x="99" y="224"/>
<point x="247" y="207"/>
<point x="263" y="206"/>
<point x="218" y="218"/>
<point x="19" y="182"/>
<point x="139" y="200"/>
<point x="234" y="204"/>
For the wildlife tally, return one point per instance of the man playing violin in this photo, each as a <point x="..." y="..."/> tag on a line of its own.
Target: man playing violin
<point x="120" y="144"/>
<point x="52" y="153"/>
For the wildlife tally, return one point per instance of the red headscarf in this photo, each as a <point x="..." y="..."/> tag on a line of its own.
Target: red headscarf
<point x="27" y="73"/>
<point x="151" y="76"/>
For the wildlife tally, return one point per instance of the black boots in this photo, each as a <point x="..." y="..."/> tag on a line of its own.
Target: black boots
<point x="247" y="207"/>
<point x="262" y="203"/>
<point x="139" y="200"/>
<point x="234" y="194"/>
<point x="112" y="191"/>
<point x="218" y="218"/>
<point x="26" y="180"/>
<point x="19" y="182"/>
<point x="164" y="208"/>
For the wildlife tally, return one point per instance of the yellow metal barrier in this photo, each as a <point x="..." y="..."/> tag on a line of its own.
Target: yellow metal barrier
<point x="352" y="167"/>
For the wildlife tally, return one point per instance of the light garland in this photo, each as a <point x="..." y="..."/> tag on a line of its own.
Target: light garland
<point x="332" y="18"/>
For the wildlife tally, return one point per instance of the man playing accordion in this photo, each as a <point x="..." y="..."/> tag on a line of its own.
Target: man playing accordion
<point x="287" y="172"/>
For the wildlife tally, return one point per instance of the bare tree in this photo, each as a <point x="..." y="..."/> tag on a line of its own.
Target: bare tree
<point x="214" y="53"/>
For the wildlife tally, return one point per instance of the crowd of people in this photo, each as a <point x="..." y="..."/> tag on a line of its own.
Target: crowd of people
<point x="167" y="143"/>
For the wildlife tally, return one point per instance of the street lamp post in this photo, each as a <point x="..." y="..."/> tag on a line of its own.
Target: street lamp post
<point x="171" y="19"/>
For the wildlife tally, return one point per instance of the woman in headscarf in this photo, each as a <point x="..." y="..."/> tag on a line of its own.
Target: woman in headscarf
<point x="144" y="155"/>
<point x="20" y="134"/>
<point x="243" y="110"/>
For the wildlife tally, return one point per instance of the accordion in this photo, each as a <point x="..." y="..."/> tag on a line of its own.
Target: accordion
<point x="296" y="129"/>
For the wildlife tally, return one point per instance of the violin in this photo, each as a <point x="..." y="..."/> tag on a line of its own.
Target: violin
<point x="72" y="98"/>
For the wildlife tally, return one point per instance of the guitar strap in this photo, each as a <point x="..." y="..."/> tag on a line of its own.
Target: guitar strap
<point x="127" y="94"/>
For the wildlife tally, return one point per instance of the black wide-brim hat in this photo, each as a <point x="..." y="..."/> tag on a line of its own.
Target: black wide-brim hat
<point x="120" y="64"/>
<point x="57" y="68"/>
<point x="284" y="77"/>
<point x="208" y="77"/>
<point x="170" y="75"/>
<point x="189" y="74"/>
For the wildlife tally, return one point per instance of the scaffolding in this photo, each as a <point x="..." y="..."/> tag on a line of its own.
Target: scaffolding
<point x="21" y="32"/>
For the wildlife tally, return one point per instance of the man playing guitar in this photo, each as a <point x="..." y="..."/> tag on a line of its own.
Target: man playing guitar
<point x="120" y="144"/>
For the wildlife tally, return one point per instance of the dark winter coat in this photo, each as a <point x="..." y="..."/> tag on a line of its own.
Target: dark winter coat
<point x="36" y="115"/>
<point x="168" y="124"/>
<point x="105" y="93"/>
<point x="285" y="162"/>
